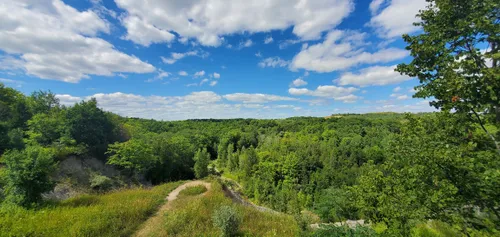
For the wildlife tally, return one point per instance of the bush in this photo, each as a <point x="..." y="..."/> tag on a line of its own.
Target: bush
<point x="28" y="174"/>
<point x="100" y="182"/>
<point x="227" y="220"/>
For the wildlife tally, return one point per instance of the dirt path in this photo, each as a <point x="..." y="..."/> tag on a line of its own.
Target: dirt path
<point x="155" y="221"/>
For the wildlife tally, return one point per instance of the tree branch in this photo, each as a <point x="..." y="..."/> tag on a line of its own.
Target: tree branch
<point x="485" y="130"/>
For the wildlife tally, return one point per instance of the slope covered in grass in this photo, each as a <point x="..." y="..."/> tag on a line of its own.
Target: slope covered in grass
<point x="192" y="216"/>
<point x="114" y="214"/>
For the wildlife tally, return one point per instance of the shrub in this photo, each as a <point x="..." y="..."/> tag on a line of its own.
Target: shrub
<point x="28" y="174"/>
<point x="227" y="220"/>
<point x="100" y="182"/>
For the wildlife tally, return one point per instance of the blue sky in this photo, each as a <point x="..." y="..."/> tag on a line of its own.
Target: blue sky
<point x="176" y="60"/>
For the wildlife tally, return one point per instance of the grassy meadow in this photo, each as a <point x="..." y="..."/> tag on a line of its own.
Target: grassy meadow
<point x="191" y="215"/>
<point x="118" y="213"/>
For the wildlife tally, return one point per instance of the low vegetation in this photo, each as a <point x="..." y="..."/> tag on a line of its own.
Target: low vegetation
<point x="193" y="191"/>
<point x="214" y="214"/>
<point x="118" y="213"/>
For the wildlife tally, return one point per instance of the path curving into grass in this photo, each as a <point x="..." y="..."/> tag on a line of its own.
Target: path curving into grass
<point x="156" y="220"/>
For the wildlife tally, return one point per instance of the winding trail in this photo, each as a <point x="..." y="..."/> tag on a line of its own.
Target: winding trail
<point x="155" y="221"/>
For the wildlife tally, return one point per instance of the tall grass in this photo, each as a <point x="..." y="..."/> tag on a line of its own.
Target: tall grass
<point x="192" y="191"/>
<point x="192" y="216"/>
<point x="114" y="214"/>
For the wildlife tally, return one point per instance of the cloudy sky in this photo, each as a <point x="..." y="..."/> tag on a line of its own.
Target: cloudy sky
<point x="176" y="60"/>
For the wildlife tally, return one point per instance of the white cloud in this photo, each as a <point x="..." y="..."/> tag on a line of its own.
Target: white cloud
<point x="213" y="83"/>
<point x="402" y="97"/>
<point x="216" y="75"/>
<point x="377" y="75"/>
<point x="375" y="6"/>
<point x="273" y="62"/>
<point x="202" y="104"/>
<point x="182" y="73"/>
<point x="268" y="40"/>
<point x="328" y="91"/>
<point x="397" y="18"/>
<point x="256" y="98"/>
<point x="246" y="44"/>
<point x="199" y="74"/>
<point x="396" y="89"/>
<point x="341" y="50"/>
<point x="160" y="76"/>
<point x="299" y="82"/>
<point x="56" y="41"/>
<point x="143" y="33"/>
<point x="66" y="99"/>
<point x="284" y="44"/>
<point x="204" y="81"/>
<point x="258" y="55"/>
<point x="16" y="83"/>
<point x="177" y="56"/>
<point x="208" y="21"/>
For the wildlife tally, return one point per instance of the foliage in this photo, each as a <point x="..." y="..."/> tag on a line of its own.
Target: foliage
<point x="193" y="191"/>
<point x="226" y="219"/>
<point x="89" y="125"/>
<point x="114" y="214"/>
<point x="28" y="174"/>
<point x="456" y="56"/>
<point x="201" y="158"/>
<point x="343" y="231"/>
<point x="100" y="182"/>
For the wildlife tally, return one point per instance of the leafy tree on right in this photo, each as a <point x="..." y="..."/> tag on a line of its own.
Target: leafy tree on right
<point x="456" y="58"/>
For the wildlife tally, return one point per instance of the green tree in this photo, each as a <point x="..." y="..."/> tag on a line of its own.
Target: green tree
<point x="28" y="174"/>
<point x="46" y="128"/>
<point x="90" y="125"/>
<point x="135" y="155"/>
<point x="201" y="158"/>
<point x="456" y="57"/>
<point x="42" y="102"/>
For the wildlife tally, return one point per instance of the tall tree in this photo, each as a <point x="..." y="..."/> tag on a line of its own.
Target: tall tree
<point x="201" y="158"/>
<point x="456" y="57"/>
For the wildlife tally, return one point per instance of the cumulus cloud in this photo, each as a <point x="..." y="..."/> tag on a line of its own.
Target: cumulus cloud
<point x="213" y="83"/>
<point x="299" y="82"/>
<point x="341" y="50"/>
<point x="174" y="57"/>
<point x="328" y="91"/>
<point x="273" y="62"/>
<point x="256" y="98"/>
<point x="182" y="73"/>
<point x="144" y="33"/>
<point x="208" y="21"/>
<point x="216" y="75"/>
<point x="373" y="76"/>
<point x="397" y="18"/>
<point x="56" y="41"/>
<point x="396" y="89"/>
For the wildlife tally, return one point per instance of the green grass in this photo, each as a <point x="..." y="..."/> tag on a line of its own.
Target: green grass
<point x="114" y="214"/>
<point x="193" y="191"/>
<point x="192" y="216"/>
